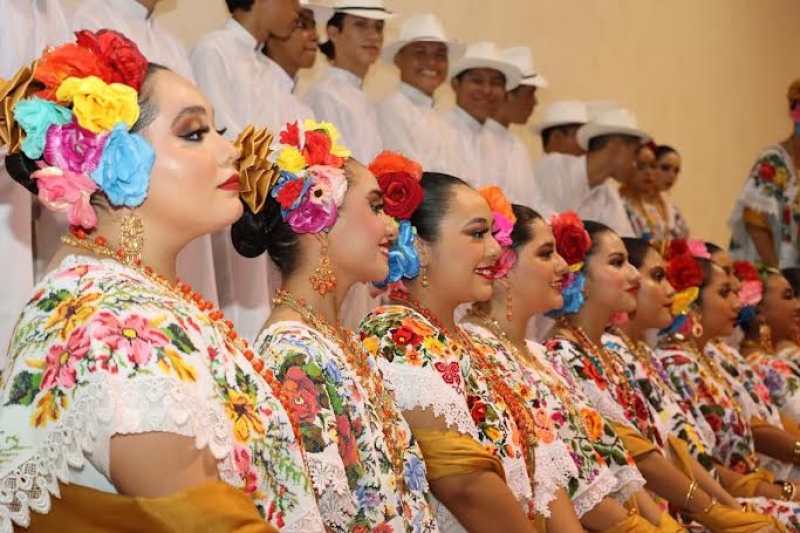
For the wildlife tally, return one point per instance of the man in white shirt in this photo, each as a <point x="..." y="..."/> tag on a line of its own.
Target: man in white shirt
<point x="517" y="168"/>
<point x="480" y="80"/>
<point x="407" y="118"/>
<point x="559" y="125"/>
<point x="581" y="183"/>
<point x="26" y="27"/>
<point x="234" y="75"/>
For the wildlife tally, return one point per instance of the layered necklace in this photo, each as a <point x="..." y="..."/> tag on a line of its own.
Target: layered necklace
<point x="183" y="291"/>
<point x="548" y="376"/>
<point x="642" y="353"/>
<point x="498" y="387"/>
<point x="717" y="373"/>
<point x="370" y="380"/>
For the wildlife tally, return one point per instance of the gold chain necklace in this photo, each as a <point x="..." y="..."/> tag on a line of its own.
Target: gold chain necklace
<point x="640" y="351"/>
<point x="370" y="380"/>
<point x="713" y="368"/>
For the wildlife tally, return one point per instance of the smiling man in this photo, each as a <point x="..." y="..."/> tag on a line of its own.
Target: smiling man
<point x="407" y="118"/>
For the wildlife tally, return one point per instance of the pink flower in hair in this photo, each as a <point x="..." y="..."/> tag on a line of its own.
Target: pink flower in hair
<point x="751" y="292"/>
<point x="504" y="263"/>
<point x="502" y="230"/>
<point x="67" y="192"/>
<point x="698" y="249"/>
<point x="71" y="147"/>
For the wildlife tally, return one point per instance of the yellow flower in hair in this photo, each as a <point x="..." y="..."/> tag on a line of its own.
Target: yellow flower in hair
<point x="682" y="300"/>
<point x="333" y="134"/>
<point x="780" y="177"/>
<point x="99" y="106"/>
<point x="291" y="160"/>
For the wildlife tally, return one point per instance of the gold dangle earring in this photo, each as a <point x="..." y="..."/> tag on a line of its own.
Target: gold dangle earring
<point x="765" y="338"/>
<point x="425" y="283"/>
<point x="509" y="299"/>
<point x="131" y="238"/>
<point x="323" y="280"/>
<point x="697" y="327"/>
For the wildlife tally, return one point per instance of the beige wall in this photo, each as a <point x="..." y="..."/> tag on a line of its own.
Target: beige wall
<point x="707" y="76"/>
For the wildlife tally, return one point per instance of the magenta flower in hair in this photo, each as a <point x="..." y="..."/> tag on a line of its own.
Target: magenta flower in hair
<point x="71" y="147"/>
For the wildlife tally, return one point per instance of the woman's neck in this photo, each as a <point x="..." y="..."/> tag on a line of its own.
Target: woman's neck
<point x="327" y="306"/>
<point x="441" y="310"/>
<point x="593" y="324"/>
<point x="634" y="330"/>
<point x="514" y="328"/>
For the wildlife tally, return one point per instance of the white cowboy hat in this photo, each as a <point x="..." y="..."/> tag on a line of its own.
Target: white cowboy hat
<point x="486" y="55"/>
<point x="617" y="121"/>
<point x="322" y="11"/>
<point x="522" y="58"/>
<point x="368" y="9"/>
<point x="426" y="28"/>
<point x="561" y="113"/>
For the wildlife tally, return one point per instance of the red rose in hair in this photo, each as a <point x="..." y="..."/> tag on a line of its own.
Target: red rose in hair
<point x="684" y="272"/>
<point x="766" y="171"/>
<point x="402" y="194"/>
<point x="678" y="247"/>
<point x="572" y="241"/>
<point x="125" y="62"/>
<point x="745" y="271"/>
<point x="290" y="136"/>
<point x="69" y="60"/>
<point x="317" y="150"/>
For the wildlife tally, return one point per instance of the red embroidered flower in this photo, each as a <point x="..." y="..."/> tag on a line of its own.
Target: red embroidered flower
<point x="404" y="336"/>
<point x="592" y="373"/>
<point x="745" y="271"/>
<point x="684" y="272"/>
<point x="572" y="240"/>
<point x="291" y="135"/>
<point x="766" y="171"/>
<point x="451" y="372"/>
<point x="301" y="395"/>
<point x="289" y="193"/>
<point x="402" y="194"/>
<point x="125" y="62"/>
<point x="477" y="409"/>
<point x="347" y="441"/>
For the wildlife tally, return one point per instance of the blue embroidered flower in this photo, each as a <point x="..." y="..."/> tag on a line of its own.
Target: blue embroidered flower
<point x="333" y="372"/>
<point x="35" y="116"/>
<point x="573" y="296"/>
<point x="414" y="474"/>
<point x="403" y="257"/>
<point x="124" y="170"/>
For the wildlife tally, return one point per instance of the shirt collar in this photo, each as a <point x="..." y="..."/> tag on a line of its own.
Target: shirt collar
<point x="346" y="76"/>
<point x="285" y="82"/>
<point x="467" y="119"/>
<point x="416" y="96"/>
<point x="241" y="34"/>
<point x="495" y="127"/>
<point x="131" y="8"/>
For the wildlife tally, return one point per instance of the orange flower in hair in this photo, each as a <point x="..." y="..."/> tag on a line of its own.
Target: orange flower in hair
<point x="498" y="203"/>
<point x="70" y="60"/>
<point x="388" y="162"/>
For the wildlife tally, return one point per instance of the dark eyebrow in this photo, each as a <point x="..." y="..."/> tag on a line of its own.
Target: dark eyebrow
<point x="616" y="254"/>
<point x="376" y="193"/>
<point x="191" y="110"/>
<point x="477" y="220"/>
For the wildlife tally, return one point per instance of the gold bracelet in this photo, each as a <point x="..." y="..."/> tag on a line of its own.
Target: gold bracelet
<point x="796" y="453"/>
<point x="787" y="491"/>
<point x="710" y="505"/>
<point x="690" y="494"/>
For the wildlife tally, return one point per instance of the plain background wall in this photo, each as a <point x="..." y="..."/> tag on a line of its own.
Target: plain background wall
<point x="706" y="76"/>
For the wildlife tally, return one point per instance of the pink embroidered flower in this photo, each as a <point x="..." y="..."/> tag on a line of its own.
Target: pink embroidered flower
<point x="244" y="466"/>
<point x="451" y="372"/>
<point x="132" y="335"/>
<point x="69" y="192"/>
<point x="71" y="147"/>
<point x="62" y="360"/>
<point x="751" y="292"/>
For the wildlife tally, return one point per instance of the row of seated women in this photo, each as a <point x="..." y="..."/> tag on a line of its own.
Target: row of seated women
<point x="130" y="403"/>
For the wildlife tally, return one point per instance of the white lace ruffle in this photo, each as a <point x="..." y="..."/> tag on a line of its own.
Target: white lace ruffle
<point x="309" y="522"/>
<point x="588" y="498"/>
<point x="330" y="484"/>
<point x="518" y="480"/>
<point x="629" y="482"/>
<point x="604" y="403"/>
<point x="162" y="404"/>
<point x="423" y="388"/>
<point x="554" y="470"/>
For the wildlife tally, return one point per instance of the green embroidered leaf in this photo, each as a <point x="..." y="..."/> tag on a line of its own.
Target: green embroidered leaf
<point x="24" y="388"/>
<point x="52" y="300"/>
<point x="312" y="438"/>
<point x="179" y="338"/>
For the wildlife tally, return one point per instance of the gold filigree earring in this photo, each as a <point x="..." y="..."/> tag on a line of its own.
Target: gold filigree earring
<point x="131" y="238"/>
<point x="323" y="280"/>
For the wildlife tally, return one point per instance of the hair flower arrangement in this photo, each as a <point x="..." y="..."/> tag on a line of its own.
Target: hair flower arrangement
<point x="503" y="225"/>
<point x="572" y="243"/>
<point x="398" y="178"/>
<point x="685" y="275"/>
<point x="311" y="184"/>
<point x="77" y="128"/>
<point x="751" y="292"/>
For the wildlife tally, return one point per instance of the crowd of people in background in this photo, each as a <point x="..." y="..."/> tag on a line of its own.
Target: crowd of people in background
<point x="235" y="308"/>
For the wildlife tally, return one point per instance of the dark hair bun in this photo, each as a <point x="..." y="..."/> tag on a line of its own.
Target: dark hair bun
<point x="20" y="169"/>
<point x="254" y="234"/>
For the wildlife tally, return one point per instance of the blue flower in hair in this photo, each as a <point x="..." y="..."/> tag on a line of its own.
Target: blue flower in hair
<point x="403" y="257"/>
<point x="573" y="295"/>
<point x="746" y="315"/>
<point x="124" y="170"/>
<point x="677" y="324"/>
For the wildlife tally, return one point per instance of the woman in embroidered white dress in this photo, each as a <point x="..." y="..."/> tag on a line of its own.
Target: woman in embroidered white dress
<point x="532" y="284"/>
<point x="367" y="469"/>
<point x="128" y="399"/>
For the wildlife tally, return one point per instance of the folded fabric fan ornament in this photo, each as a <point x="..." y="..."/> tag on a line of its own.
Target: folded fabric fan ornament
<point x="76" y="126"/>
<point x="257" y="174"/>
<point x="398" y="178"/>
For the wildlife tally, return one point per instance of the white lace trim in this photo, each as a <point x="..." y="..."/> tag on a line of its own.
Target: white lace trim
<point x="588" y="498"/>
<point x="423" y="388"/>
<point x="604" y="403"/>
<point x="309" y="522"/>
<point x="629" y="482"/>
<point x="170" y="407"/>
<point x="517" y="479"/>
<point x="554" y="470"/>
<point x="330" y="483"/>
